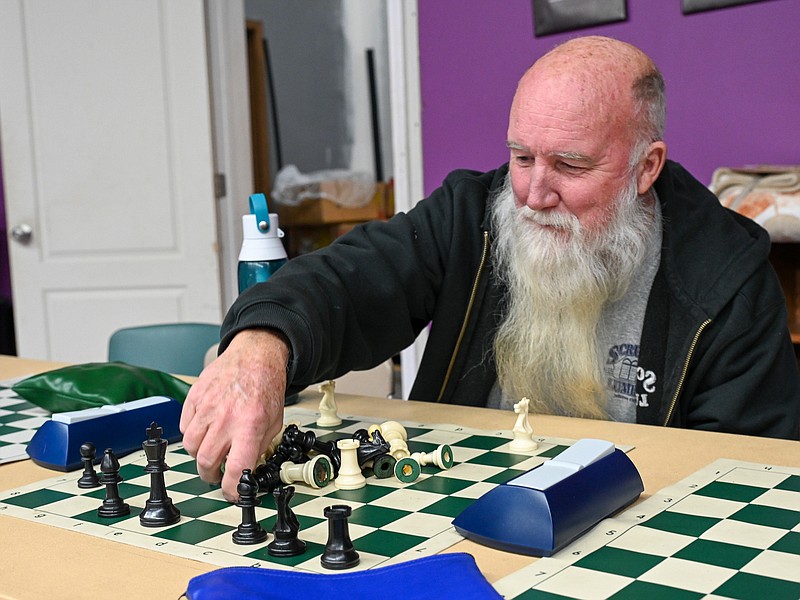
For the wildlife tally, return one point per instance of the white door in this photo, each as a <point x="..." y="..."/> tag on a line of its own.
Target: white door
<point x="105" y="135"/>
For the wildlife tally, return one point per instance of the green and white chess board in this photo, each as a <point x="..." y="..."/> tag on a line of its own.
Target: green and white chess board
<point x="731" y="530"/>
<point x="391" y="522"/>
<point x="19" y="420"/>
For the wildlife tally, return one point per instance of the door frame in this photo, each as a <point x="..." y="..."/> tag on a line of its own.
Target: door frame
<point x="406" y="109"/>
<point x="230" y="109"/>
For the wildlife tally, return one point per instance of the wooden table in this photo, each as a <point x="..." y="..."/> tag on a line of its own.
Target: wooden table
<point x="45" y="562"/>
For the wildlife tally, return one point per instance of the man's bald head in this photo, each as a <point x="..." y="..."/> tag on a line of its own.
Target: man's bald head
<point x="617" y="79"/>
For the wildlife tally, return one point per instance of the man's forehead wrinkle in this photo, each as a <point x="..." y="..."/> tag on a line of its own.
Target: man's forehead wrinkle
<point x="571" y="135"/>
<point x="557" y="134"/>
<point x="553" y="118"/>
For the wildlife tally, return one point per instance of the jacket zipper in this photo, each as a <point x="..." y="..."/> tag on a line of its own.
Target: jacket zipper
<point x="703" y="325"/>
<point x="466" y="316"/>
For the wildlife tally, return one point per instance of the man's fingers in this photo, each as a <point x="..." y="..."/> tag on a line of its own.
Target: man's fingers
<point x="187" y="412"/>
<point x="210" y="455"/>
<point x="244" y="454"/>
<point x="193" y="426"/>
<point x="240" y="457"/>
<point x="193" y="436"/>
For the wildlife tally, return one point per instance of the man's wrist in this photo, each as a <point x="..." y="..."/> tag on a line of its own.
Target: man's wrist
<point x="270" y="344"/>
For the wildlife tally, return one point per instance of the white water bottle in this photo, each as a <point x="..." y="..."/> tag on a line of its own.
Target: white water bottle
<point x="262" y="250"/>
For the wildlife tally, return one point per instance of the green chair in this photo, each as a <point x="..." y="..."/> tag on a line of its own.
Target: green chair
<point x="176" y="348"/>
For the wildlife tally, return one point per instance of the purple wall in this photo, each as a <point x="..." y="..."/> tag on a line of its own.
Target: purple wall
<point x="733" y="79"/>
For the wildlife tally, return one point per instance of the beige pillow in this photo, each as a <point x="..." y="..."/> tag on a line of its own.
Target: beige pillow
<point x="770" y="196"/>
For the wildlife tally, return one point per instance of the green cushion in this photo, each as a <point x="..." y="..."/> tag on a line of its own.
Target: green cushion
<point x="94" y="384"/>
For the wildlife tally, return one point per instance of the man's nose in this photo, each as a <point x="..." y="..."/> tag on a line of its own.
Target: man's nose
<point x="541" y="193"/>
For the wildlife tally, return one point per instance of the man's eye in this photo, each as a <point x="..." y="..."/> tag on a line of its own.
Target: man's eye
<point x="571" y="168"/>
<point x="523" y="160"/>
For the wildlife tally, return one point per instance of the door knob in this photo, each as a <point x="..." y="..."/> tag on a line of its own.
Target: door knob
<point x="22" y="233"/>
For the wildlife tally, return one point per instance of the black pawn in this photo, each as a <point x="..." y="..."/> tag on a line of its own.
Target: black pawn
<point x="250" y="530"/>
<point x="113" y="505"/>
<point x="159" y="510"/>
<point x="339" y="551"/>
<point x="286" y="542"/>
<point x="89" y="477"/>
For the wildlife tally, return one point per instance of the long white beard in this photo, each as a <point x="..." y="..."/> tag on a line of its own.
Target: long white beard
<point x="558" y="283"/>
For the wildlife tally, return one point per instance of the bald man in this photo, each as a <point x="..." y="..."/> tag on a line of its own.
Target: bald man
<point x="589" y="274"/>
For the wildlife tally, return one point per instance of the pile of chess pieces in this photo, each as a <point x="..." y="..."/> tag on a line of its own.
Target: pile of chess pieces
<point x="299" y="456"/>
<point x="295" y="455"/>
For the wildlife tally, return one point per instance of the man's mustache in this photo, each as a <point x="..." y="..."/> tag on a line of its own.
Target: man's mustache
<point x="551" y="218"/>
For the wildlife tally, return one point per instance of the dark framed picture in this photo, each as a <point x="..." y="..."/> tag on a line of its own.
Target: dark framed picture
<point x="693" y="6"/>
<point x="556" y="16"/>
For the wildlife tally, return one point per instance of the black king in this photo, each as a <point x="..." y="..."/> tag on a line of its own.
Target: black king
<point x="159" y="510"/>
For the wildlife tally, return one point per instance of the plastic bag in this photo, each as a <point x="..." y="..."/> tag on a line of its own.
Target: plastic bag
<point x="351" y="189"/>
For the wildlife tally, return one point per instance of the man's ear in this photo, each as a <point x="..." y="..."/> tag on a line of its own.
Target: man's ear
<point x="649" y="168"/>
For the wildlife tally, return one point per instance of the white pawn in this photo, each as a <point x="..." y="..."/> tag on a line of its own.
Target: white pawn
<point x="523" y="432"/>
<point x="315" y="473"/>
<point x="327" y="406"/>
<point x="350" y="476"/>
<point x="442" y="457"/>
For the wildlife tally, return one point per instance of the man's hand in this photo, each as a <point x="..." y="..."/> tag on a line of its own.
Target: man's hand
<point x="235" y="408"/>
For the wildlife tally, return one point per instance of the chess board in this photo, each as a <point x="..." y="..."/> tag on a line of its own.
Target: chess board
<point x="391" y="522"/>
<point x="731" y="530"/>
<point x="19" y="420"/>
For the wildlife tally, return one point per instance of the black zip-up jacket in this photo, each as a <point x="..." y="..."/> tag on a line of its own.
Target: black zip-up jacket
<point x="715" y="350"/>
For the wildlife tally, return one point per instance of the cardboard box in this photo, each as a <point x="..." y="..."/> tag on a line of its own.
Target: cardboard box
<point x="325" y="212"/>
<point x="303" y="239"/>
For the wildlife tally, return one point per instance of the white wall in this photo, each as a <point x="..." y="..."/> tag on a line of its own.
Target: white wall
<point x="364" y="25"/>
<point x="318" y="59"/>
